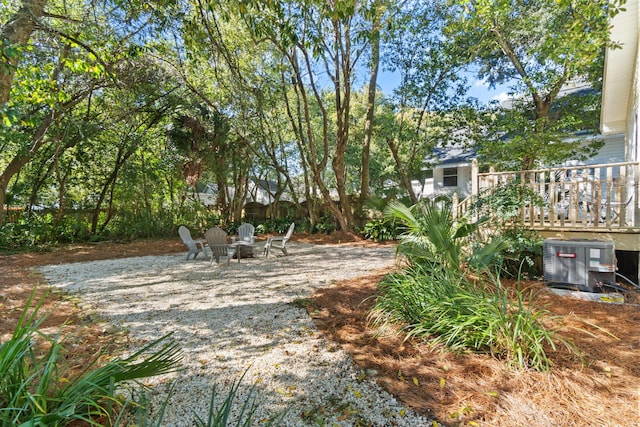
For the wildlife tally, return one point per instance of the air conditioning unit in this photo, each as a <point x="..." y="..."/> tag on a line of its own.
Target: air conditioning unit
<point x="585" y="265"/>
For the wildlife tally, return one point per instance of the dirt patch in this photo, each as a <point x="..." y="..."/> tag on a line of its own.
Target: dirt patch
<point x="457" y="389"/>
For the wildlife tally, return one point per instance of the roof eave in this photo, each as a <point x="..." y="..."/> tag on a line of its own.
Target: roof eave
<point x="619" y="70"/>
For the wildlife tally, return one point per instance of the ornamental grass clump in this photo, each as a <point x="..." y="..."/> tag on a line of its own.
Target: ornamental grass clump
<point x="445" y="308"/>
<point x="434" y="298"/>
<point x="35" y="391"/>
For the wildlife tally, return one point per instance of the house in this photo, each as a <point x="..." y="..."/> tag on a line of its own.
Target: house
<point x="600" y="199"/>
<point x="259" y="201"/>
<point x="621" y="81"/>
<point x="448" y="170"/>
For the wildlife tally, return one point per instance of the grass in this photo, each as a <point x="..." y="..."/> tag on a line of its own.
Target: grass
<point x="446" y="307"/>
<point x="34" y="391"/>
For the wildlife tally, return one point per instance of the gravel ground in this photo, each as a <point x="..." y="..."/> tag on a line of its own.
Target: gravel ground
<point x="243" y="318"/>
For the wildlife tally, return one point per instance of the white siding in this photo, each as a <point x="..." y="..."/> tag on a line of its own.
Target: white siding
<point x="611" y="152"/>
<point x="464" y="181"/>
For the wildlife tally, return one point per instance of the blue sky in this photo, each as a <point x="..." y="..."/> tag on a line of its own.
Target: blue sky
<point x="387" y="81"/>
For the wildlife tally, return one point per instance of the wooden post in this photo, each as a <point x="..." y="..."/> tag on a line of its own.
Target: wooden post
<point x="635" y="205"/>
<point x="454" y="202"/>
<point x="474" y="178"/>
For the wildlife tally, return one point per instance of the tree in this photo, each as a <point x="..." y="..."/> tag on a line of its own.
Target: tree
<point x="426" y="104"/>
<point x="14" y="38"/>
<point x="55" y="57"/>
<point x="540" y="47"/>
<point x="322" y="44"/>
<point x="376" y="16"/>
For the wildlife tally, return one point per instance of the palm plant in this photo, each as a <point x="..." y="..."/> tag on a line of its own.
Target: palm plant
<point x="435" y="299"/>
<point x="35" y="392"/>
<point x="433" y="236"/>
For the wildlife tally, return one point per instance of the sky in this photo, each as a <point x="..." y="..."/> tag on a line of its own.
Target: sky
<point x="387" y="81"/>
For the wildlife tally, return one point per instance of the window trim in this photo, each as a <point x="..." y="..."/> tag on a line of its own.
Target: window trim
<point x="449" y="177"/>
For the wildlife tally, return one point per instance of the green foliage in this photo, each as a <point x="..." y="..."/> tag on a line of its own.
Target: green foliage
<point x="326" y="224"/>
<point x="434" y="298"/>
<point x="445" y="307"/>
<point x="220" y="413"/>
<point x="35" y="390"/>
<point x="432" y="236"/>
<point x="42" y="230"/>
<point x="381" y="230"/>
<point x="521" y="254"/>
<point x="275" y="225"/>
<point x="539" y="48"/>
<point x="505" y="201"/>
<point x="522" y="249"/>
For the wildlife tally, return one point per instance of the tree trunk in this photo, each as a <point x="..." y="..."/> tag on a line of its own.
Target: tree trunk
<point x="371" y="105"/>
<point x="22" y="158"/>
<point x="16" y="34"/>
<point x="342" y="89"/>
<point x="402" y="173"/>
<point x="107" y="188"/>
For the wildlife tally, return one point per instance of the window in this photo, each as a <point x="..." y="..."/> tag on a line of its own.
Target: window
<point x="450" y="177"/>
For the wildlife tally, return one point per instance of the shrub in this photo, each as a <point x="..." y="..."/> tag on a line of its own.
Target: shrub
<point x="381" y="230"/>
<point x="36" y="229"/>
<point x="445" y="307"/>
<point x="432" y="235"/>
<point x="35" y="391"/>
<point x="275" y="225"/>
<point x="522" y="253"/>
<point x="326" y="224"/>
<point x="522" y="248"/>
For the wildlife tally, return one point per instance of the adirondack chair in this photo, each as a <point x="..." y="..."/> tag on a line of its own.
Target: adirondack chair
<point x="245" y="241"/>
<point x="279" y="242"/>
<point x="245" y="233"/>
<point x="194" y="246"/>
<point x="217" y="241"/>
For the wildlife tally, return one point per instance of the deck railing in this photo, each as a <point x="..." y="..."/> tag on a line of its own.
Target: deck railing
<point x="605" y="196"/>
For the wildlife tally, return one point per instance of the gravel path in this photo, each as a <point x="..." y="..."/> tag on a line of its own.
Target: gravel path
<point x="243" y="318"/>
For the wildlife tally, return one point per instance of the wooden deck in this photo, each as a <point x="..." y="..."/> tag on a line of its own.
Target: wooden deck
<point x="586" y="202"/>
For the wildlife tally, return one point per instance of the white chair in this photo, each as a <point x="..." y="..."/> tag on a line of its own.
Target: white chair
<point x="246" y="233"/>
<point x="194" y="246"/>
<point x="217" y="241"/>
<point x="279" y="242"/>
<point x="245" y="240"/>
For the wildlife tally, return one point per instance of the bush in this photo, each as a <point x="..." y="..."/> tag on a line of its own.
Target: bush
<point x="381" y="230"/>
<point x="326" y="224"/>
<point x="37" y="229"/>
<point x="447" y="308"/>
<point x="522" y="255"/>
<point x="275" y="225"/>
<point x="34" y="390"/>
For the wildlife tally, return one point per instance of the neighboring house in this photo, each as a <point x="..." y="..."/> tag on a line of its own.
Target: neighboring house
<point x="448" y="170"/>
<point x="451" y="167"/>
<point x="259" y="200"/>
<point x="207" y="194"/>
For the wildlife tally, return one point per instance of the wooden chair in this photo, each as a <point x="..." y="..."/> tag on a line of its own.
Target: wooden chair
<point x="246" y="232"/>
<point x="279" y="242"/>
<point x="217" y="241"/>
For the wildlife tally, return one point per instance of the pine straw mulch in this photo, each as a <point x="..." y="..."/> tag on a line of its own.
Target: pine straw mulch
<point x="457" y="389"/>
